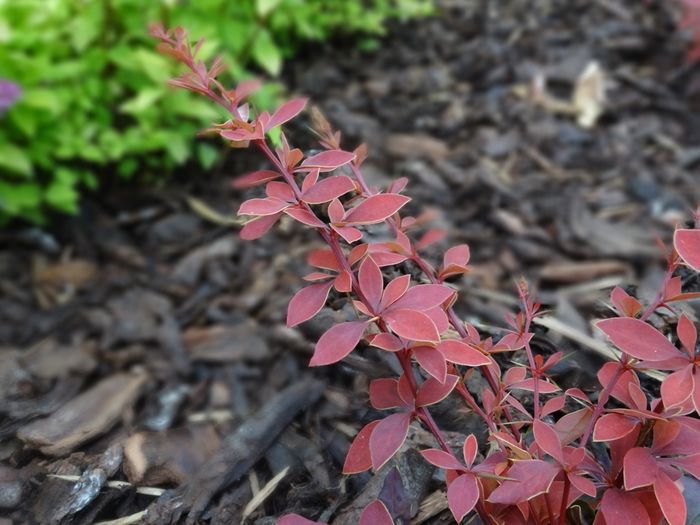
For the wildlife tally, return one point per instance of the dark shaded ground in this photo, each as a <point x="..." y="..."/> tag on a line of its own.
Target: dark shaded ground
<point x="143" y="338"/>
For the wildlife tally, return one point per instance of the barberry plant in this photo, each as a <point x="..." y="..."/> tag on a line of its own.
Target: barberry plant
<point x="625" y="452"/>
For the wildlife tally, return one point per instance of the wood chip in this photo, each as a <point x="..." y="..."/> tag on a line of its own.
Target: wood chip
<point x="86" y="416"/>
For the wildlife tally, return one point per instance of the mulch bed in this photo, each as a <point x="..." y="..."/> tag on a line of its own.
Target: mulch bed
<point x="144" y="360"/>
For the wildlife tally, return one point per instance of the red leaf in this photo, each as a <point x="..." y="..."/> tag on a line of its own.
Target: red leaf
<point x="457" y="255"/>
<point x="412" y="325"/>
<point x="639" y="468"/>
<point x="690" y="464"/>
<point x="529" y="478"/>
<point x="376" y="514"/>
<point x="441" y="459"/>
<point x="638" y="339"/>
<point x="328" y="189"/>
<point x="544" y="387"/>
<point x="384" y="394"/>
<point x="670" y="499"/>
<point x="620" y="507"/>
<point x="585" y="485"/>
<point x="348" y="233"/>
<point x="295" y="519"/>
<point x="323" y="259"/>
<point x="553" y="405"/>
<point x="470" y="449"/>
<point x="424" y="297"/>
<point x="571" y="426"/>
<point x="358" y="458"/>
<point x="255" y="178"/>
<point x="432" y="361"/>
<point x="612" y="426"/>
<point x="387" y="438"/>
<point x="677" y="387"/>
<point x="430" y="237"/>
<point x="394" y="290"/>
<point x="462" y="495"/>
<point x="548" y="440"/>
<point x="286" y="112"/>
<point x="625" y="303"/>
<point x="307" y="302"/>
<point x="304" y="216"/>
<point x="269" y="206"/>
<point x="687" y="333"/>
<point x="376" y="209"/>
<point x="461" y="353"/>
<point x="338" y="342"/>
<point x="280" y="190"/>
<point x="387" y="342"/>
<point x="343" y="283"/>
<point x="621" y="391"/>
<point x="687" y="244"/>
<point x="258" y="227"/>
<point x="433" y="391"/>
<point x="327" y="160"/>
<point x="371" y="283"/>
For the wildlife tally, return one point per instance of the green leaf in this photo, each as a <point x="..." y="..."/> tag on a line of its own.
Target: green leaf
<point x="207" y="155"/>
<point x="61" y="193"/>
<point x="265" y="7"/>
<point x="145" y="99"/>
<point x="15" y="160"/>
<point x="266" y="53"/>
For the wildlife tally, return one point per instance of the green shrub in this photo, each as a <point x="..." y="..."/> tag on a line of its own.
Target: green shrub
<point x="94" y="98"/>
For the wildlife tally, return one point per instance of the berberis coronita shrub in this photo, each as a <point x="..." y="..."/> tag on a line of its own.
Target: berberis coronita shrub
<point x="626" y="458"/>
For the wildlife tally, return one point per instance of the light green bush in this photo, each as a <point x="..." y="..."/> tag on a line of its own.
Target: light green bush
<point x="94" y="98"/>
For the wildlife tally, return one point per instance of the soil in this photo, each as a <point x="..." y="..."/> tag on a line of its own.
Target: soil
<point x="146" y="373"/>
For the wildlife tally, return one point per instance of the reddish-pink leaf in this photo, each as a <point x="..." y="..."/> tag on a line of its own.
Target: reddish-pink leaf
<point x="670" y="499"/>
<point x="304" y="216"/>
<point x="327" y="160"/>
<point x="280" y="190"/>
<point x="620" y="507"/>
<point x="432" y="361"/>
<point x="286" y="112"/>
<point x="462" y="495"/>
<point x="441" y="459"/>
<point x="394" y="290"/>
<point x="269" y="206"/>
<point x="638" y="339"/>
<point x="625" y="303"/>
<point x="548" y="440"/>
<point x="336" y="211"/>
<point x="687" y="333"/>
<point x="687" y="244"/>
<point x="460" y="353"/>
<point x="258" y="227"/>
<point x="348" y="233"/>
<point x="384" y="394"/>
<point x="295" y="519"/>
<point x="553" y="405"/>
<point x="323" y="259"/>
<point x="430" y="237"/>
<point x="677" y="387"/>
<point x="307" y="302"/>
<point x="613" y="426"/>
<point x="433" y="391"/>
<point x="621" y="390"/>
<point x="358" y="458"/>
<point x="371" y="283"/>
<point x="545" y="387"/>
<point x="424" y="297"/>
<point x="386" y="341"/>
<point x="375" y="209"/>
<point x="690" y="464"/>
<point x="387" y="438"/>
<point x="639" y="468"/>
<point x="412" y="325"/>
<point x="338" y="342"/>
<point x="343" y="283"/>
<point x="528" y="479"/>
<point x="328" y="189"/>
<point x="376" y="513"/>
<point x="457" y="255"/>
<point x="255" y="178"/>
<point x="470" y="449"/>
<point x="585" y="485"/>
<point x="571" y="426"/>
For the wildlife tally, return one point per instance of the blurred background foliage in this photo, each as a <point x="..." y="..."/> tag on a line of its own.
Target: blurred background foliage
<point x="89" y="94"/>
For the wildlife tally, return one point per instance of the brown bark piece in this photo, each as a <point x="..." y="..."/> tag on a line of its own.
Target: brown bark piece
<point x="86" y="416"/>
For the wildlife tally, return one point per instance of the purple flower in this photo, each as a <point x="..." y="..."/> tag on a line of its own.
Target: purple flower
<point x="9" y="93"/>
